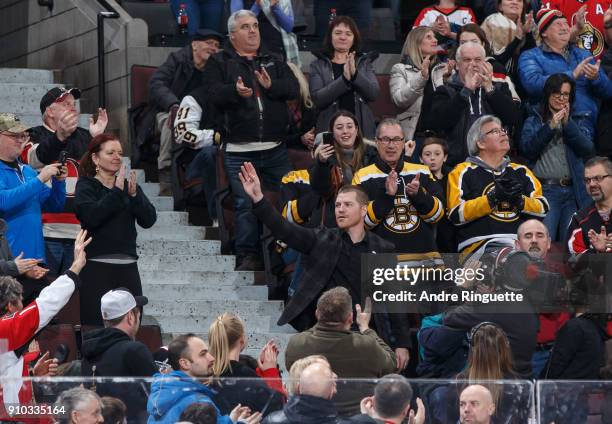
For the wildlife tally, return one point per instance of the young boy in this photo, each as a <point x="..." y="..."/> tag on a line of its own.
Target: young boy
<point x="434" y="154"/>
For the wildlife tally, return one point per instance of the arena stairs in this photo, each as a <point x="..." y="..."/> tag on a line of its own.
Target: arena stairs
<point x="184" y="275"/>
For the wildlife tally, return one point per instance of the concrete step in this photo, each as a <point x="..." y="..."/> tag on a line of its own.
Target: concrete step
<point x="162" y="307"/>
<point x="24" y="98"/>
<point x="231" y="279"/>
<point x="179" y="292"/>
<point x="166" y="232"/>
<point x="200" y="322"/>
<point x="187" y="262"/>
<point x="171" y="218"/>
<point x="150" y="189"/>
<point x="176" y="247"/>
<point x="164" y="203"/>
<point x="26" y="76"/>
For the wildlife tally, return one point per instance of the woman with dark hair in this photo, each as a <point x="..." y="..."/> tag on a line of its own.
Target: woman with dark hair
<point x="556" y="141"/>
<point x="108" y="206"/>
<point x="343" y="78"/>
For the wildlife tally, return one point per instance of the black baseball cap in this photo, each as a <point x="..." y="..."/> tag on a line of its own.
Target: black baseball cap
<point x="205" y="34"/>
<point x="57" y="94"/>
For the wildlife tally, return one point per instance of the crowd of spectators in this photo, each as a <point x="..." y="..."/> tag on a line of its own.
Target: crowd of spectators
<point x="498" y="155"/>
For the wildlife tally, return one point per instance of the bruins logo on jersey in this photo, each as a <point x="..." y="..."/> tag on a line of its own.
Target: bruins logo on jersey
<point x="591" y="39"/>
<point x="504" y="212"/>
<point x="403" y="218"/>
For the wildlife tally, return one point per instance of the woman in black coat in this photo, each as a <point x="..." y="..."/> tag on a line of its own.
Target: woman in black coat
<point x="108" y="206"/>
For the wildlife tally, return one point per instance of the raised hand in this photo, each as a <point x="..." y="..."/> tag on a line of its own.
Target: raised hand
<point x="62" y="173"/>
<point x="580" y="68"/>
<point x="425" y="67"/>
<point x="66" y="125"/>
<point x="472" y="80"/>
<point x="243" y="91"/>
<point x="486" y="76"/>
<point x="268" y="356"/>
<point x="24" y="265"/>
<point x="592" y="71"/>
<point x="120" y="179"/>
<point x="599" y="241"/>
<point x="250" y="181"/>
<point x="557" y="119"/>
<point x="362" y="317"/>
<point x="263" y="78"/>
<point x="412" y="188"/>
<point x="98" y="127"/>
<point x="352" y="64"/>
<point x="36" y="273"/>
<point x="409" y="147"/>
<point x="419" y="417"/>
<point x="132" y="184"/>
<point x="391" y="183"/>
<point x="324" y="151"/>
<point x="80" y="258"/>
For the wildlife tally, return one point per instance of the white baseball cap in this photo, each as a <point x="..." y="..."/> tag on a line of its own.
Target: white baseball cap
<point x="119" y="302"/>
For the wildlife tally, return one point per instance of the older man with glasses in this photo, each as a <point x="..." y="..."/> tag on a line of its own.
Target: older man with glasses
<point x="24" y="194"/>
<point x="489" y="196"/>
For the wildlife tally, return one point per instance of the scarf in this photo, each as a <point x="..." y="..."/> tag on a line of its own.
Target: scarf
<point x="289" y="38"/>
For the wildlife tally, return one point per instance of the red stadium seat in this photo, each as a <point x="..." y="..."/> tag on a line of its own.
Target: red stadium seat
<point x="151" y="336"/>
<point x="140" y="76"/>
<point x="50" y="337"/>
<point x="71" y="313"/>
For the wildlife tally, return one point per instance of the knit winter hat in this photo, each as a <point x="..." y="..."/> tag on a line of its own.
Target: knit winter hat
<point x="545" y="17"/>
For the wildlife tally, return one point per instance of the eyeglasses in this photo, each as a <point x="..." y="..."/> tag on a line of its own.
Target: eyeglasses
<point x="559" y="96"/>
<point x="596" y="179"/>
<point x="388" y="140"/>
<point x="497" y="131"/>
<point x="19" y="137"/>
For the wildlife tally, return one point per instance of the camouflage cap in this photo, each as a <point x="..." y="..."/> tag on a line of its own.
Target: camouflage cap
<point x="9" y="122"/>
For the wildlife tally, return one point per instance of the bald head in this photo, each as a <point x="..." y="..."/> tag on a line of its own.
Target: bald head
<point x="533" y="238"/>
<point x="476" y="405"/>
<point x="318" y="380"/>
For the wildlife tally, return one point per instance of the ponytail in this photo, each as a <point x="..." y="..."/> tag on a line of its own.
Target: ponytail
<point x="223" y="335"/>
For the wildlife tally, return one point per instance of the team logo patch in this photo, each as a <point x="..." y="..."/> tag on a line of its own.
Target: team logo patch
<point x="403" y="218"/>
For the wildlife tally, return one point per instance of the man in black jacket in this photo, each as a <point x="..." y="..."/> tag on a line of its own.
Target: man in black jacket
<point x="331" y="258"/>
<point x="468" y="95"/>
<point x="250" y="89"/>
<point x="113" y="352"/>
<point x="180" y="74"/>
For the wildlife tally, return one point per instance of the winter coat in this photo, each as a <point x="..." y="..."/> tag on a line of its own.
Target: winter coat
<point x="407" y="87"/>
<point x="264" y="116"/>
<point x="115" y="354"/>
<point x="578" y="141"/>
<point x="22" y="199"/>
<point x="537" y="64"/>
<point x="170" y="80"/>
<point x="458" y="107"/>
<point x="7" y="262"/>
<point x="305" y="409"/>
<point x="326" y="91"/>
<point x="172" y="393"/>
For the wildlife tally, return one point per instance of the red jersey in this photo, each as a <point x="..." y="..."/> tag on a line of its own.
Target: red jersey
<point x="592" y="36"/>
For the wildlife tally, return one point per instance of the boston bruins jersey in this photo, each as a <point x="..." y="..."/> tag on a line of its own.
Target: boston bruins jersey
<point x="468" y="206"/>
<point x="302" y="205"/>
<point x="407" y="221"/>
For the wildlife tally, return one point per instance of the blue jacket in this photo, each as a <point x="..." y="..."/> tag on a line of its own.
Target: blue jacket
<point x="578" y="140"/>
<point x="172" y="393"/>
<point x="22" y="200"/>
<point x="536" y="65"/>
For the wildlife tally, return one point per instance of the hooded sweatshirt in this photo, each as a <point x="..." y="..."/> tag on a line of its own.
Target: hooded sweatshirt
<point x="468" y="206"/>
<point x="115" y="354"/>
<point x="172" y="393"/>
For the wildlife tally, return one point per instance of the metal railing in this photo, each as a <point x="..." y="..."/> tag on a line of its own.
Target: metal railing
<point x="110" y="13"/>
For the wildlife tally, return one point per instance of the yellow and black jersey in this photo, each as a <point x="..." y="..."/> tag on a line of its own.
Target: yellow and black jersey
<point x="468" y="206"/>
<point x="407" y="221"/>
<point x="303" y="206"/>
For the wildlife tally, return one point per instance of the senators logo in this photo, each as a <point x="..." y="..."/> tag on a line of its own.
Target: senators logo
<point x="591" y="39"/>
<point x="403" y="218"/>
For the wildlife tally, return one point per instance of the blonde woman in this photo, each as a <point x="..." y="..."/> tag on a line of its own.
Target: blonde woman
<point x="227" y="339"/>
<point x="414" y="80"/>
<point x="303" y="114"/>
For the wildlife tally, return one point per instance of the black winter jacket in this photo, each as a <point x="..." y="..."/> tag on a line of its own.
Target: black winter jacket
<point x="262" y="117"/>
<point x="168" y="83"/>
<point x="305" y="409"/>
<point x="50" y="147"/>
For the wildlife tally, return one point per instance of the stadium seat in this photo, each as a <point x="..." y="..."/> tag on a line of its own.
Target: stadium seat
<point x="151" y="336"/>
<point x="50" y="337"/>
<point x="71" y="313"/>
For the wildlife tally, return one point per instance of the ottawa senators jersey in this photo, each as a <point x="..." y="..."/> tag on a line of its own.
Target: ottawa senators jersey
<point x="592" y="36"/>
<point x="469" y="210"/>
<point x="406" y="221"/>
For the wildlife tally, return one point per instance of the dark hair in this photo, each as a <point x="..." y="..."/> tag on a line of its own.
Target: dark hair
<point x="177" y="348"/>
<point x="553" y="85"/>
<point x="599" y="160"/>
<point x="359" y="148"/>
<point x="11" y="292"/>
<point x="474" y="29"/>
<point x="113" y="410"/>
<point x="360" y="193"/>
<point x="392" y="395"/>
<point x="87" y="167"/>
<point x="334" y="306"/>
<point x="199" y="413"/>
<point x="328" y="47"/>
<point x="434" y="140"/>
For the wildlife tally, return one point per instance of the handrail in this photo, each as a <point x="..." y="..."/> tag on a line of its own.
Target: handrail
<point x="110" y="13"/>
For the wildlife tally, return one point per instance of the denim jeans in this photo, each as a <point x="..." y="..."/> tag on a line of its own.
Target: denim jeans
<point x="60" y="254"/>
<point x="359" y="10"/>
<point x="539" y="361"/>
<point x="271" y="166"/>
<point x="201" y="14"/>
<point x="562" y="206"/>
<point x="204" y="165"/>
<point x="292" y="255"/>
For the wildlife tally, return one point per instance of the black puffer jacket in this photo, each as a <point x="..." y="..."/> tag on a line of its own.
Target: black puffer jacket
<point x="305" y="409"/>
<point x="262" y="117"/>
